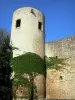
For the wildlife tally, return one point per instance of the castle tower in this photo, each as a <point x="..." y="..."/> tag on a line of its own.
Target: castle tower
<point x="27" y="34"/>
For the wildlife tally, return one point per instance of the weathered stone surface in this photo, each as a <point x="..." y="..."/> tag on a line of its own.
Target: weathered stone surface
<point x="55" y="86"/>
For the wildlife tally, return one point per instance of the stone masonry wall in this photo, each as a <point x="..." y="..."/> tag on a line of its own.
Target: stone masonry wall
<point x="55" y="86"/>
<point x="62" y="48"/>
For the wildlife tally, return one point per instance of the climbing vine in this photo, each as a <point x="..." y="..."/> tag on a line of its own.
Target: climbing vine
<point x="28" y="65"/>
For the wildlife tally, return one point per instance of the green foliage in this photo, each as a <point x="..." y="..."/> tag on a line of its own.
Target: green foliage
<point x="27" y="63"/>
<point x="5" y="68"/>
<point x="55" y="63"/>
<point x="31" y="64"/>
<point x="20" y="80"/>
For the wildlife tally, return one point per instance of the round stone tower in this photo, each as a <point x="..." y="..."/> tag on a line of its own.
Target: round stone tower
<point x="27" y="35"/>
<point x="28" y="31"/>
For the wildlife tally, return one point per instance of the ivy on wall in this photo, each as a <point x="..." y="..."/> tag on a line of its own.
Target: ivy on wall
<point x="55" y="63"/>
<point x="31" y="64"/>
<point x="27" y="63"/>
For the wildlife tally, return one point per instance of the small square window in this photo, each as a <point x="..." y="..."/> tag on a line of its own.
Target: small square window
<point x="40" y="25"/>
<point x="18" y="22"/>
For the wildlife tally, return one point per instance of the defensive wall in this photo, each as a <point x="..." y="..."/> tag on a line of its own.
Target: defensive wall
<point x="61" y="84"/>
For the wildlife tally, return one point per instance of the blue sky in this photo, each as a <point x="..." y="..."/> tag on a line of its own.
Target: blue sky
<point x="59" y="16"/>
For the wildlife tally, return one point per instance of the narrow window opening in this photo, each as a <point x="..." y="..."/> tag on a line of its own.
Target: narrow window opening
<point x="40" y="25"/>
<point x="32" y="11"/>
<point x="18" y="22"/>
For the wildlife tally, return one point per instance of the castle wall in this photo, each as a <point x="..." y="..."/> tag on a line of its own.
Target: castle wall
<point x="61" y="88"/>
<point x="61" y="48"/>
<point x="28" y="38"/>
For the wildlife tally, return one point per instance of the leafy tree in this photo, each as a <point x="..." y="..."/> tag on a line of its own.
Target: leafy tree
<point x="31" y="64"/>
<point x="5" y="69"/>
<point x="28" y="63"/>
